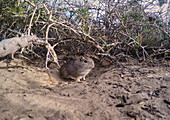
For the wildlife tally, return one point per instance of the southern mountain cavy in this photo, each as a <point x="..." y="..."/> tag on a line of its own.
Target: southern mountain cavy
<point x="77" y="68"/>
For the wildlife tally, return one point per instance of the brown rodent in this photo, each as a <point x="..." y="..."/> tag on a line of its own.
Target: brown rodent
<point x="77" y="68"/>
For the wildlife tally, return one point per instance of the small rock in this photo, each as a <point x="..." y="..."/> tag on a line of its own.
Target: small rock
<point x="164" y="86"/>
<point x="149" y="119"/>
<point x="120" y="105"/>
<point x="124" y="99"/>
<point x="167" y="101"/>
<point x="22" y="72"/>
<point x="139" y="91"/>
<point x="131" y="114"/>
<point x="108" y="83"/>
<point x="106" y="62"/>
<point x="30" y="116"/>
<point x="89" y="113"/>
<point x="112" y="96"/>
<point x="142" y="100"/>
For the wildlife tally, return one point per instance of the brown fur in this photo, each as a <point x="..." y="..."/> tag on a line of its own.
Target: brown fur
<point x="77" y="68"/>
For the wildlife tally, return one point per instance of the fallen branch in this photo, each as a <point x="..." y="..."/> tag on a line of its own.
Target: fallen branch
<point x="11" y="45"/>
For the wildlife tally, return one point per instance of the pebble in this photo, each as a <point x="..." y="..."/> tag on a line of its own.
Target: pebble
<point x="120" y="105"/>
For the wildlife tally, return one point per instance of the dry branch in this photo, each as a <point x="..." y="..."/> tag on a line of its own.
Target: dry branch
<point x="11" y="45"/>
<point x="117" y="28"/>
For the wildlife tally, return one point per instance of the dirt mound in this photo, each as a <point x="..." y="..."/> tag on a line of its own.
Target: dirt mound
<point x="131" y="92"/>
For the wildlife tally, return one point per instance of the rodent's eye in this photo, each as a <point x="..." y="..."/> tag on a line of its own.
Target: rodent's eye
<point x="85" y="61"/>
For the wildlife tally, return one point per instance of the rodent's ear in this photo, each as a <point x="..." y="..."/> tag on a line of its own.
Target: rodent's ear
<point x="81" y="58"/>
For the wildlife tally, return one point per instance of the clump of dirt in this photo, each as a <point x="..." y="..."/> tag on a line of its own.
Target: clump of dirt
<point x="135" y="91"/>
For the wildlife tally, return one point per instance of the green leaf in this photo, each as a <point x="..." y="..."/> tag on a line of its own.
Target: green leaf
<point x="166" y="53"/>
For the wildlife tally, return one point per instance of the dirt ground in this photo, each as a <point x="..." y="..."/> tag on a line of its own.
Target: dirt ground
<point x="133" y="92"/>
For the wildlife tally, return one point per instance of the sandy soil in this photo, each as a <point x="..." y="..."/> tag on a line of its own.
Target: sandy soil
<point x="132" y="92"/>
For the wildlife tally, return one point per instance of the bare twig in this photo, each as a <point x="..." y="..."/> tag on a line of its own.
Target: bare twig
<point x="32" y="4"/>
<point x="29" y="28"/>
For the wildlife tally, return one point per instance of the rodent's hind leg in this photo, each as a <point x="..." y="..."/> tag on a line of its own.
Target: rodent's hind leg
<point x="84" y="77"/>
